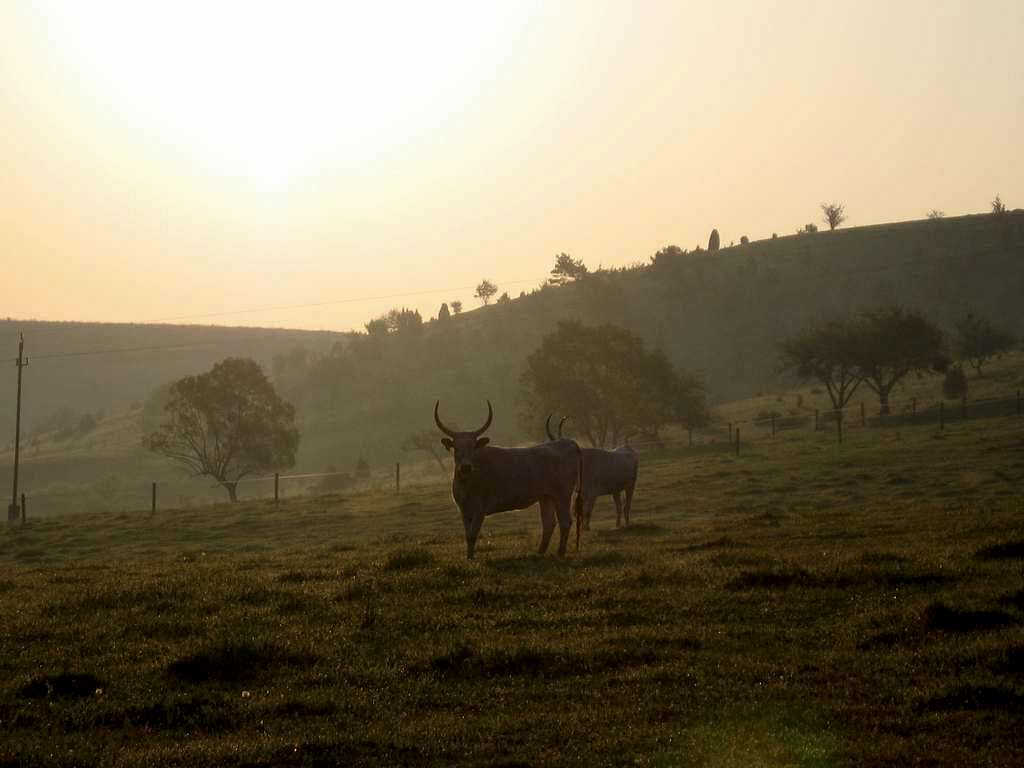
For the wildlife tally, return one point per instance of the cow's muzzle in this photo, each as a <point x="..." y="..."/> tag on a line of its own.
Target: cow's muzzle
<point x="465" y="470"/>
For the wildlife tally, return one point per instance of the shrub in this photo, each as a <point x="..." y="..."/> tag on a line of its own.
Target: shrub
<point x="955" y="384"/>
<point x="714" y="242"/>
<point x="362" y="468"/>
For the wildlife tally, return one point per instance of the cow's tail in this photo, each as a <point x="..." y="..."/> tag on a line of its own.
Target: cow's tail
<point x="579" y="494"/>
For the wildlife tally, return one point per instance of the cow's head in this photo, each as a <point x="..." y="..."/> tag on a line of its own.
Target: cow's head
<point x="464" y="445"/>
<point x="547" y="428"/>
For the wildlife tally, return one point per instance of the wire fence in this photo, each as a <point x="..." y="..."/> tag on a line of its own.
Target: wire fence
<point x="118" y="494"/>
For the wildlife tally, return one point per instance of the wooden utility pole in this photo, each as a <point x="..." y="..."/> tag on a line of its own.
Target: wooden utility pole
<point x="13" y="511"/>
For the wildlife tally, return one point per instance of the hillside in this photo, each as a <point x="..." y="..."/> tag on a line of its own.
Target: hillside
<point x="720" y="314"/>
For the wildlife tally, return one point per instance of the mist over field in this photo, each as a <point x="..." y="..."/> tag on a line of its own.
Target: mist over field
<point x="720" y="315"/>
<point x="511" y="384"/>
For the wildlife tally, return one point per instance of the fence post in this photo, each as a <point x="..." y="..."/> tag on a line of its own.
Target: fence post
<point x="963" y="406"/>
<point x="815" y="419"/>
<point x="1018" y="402"/>
<point x="863" y="417"/>
<point x="773" y="425"/>
<point x="839" y="425"/>
<point x="913" y="409"/>
<point x="398" y="477"/>
<point x="730" y="431"/>
<point x="153" y="506"/>
<point x="23" y="513"/>
<point x="277" y="487"/>
<point x="942" y="414"/>
<point x="737" y="440"/>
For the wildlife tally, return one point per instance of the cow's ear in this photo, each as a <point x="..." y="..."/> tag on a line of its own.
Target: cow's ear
<point x="482" y="441"/>
<point x="447" y="443"/>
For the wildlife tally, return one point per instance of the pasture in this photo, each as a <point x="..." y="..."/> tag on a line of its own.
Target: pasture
<point x="802" y="604"/>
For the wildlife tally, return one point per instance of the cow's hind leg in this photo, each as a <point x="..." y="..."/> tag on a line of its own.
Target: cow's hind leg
<point x="629" y="500"/>
<point x="563" y="508"/>
<point x="547" y="523"/>
<point x="618" y="509"/>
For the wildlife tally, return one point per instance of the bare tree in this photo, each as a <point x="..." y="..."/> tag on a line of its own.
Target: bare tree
<point x="426" y="441"/>
<point x="833" y="214"/>
<point x="979" y="340"/>
<point x="935" y="214"/>
<point x="998" y="206"/>
<point x="485" y="291"/>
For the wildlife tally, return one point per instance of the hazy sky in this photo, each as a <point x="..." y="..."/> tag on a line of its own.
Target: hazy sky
<point x="166" y="160"/>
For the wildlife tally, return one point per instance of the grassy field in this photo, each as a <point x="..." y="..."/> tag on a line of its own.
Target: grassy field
<point x="802" y="604"/>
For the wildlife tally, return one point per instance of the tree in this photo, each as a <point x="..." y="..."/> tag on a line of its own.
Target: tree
<point x="86" y="424"/>
<point x="714" y="242"/>
<point x="833" y="214"/>
<point x="998" y="206"/>
<point x="567" y="269"/>
<point x="894" y="342"/>
<point x="226" y="424"/>
<point x="808" y="229"/>
<point x="443" y="314"/>
<point x="377" y="327"/>
<point x="607" y="383"/>
<point x="504" y="299"/>
<point x="456" y="306"/>
<point x="667" y="254"/>
<point x="426" y="440"/>
<point x="979" y="341"/>
<point x="935" y="214"/>
<point x="485" y="291"/>
<point x="404" y="321"/>
<point x="826" y="353"/>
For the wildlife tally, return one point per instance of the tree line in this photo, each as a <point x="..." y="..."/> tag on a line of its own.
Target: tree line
<point x="880" y="348"/>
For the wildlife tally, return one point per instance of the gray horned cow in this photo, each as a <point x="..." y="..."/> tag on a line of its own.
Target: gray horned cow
<point x="488" y="479"/>
<point x="608" y="473"/>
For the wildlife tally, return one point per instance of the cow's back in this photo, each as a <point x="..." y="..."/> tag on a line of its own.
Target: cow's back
<point x="515" y="478"/>
<point x="609" y="471"/>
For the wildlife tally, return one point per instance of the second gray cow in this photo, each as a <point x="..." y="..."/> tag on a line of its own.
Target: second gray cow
<point x="608" y="473"/>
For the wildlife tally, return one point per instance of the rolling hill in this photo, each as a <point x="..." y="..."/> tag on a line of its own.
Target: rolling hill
<point x="719" y="313"/>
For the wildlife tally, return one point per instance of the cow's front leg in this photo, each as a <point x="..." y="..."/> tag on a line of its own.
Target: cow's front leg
<point x="472" y="520"/>
<point x="588" y="510"/>
<point x="618" y="509"/>
<point x="547" y="523"/>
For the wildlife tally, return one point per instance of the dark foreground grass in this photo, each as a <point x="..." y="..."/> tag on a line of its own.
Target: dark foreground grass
<point x="793" y="606"/>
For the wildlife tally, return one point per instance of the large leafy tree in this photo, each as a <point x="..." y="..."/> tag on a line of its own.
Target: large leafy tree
<point x="826" y="353"/>
<point x="979" y="340"/>
<point x="893" y="343"/>
<point x="607" y="383"/>
<point x="226" y="424"/>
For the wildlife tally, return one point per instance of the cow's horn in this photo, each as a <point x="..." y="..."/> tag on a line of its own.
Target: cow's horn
<point x="560" y="424"/>
<point x="437" y="419"/>
<point x="490" y="415"/>
<point x="547" y="427"/>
